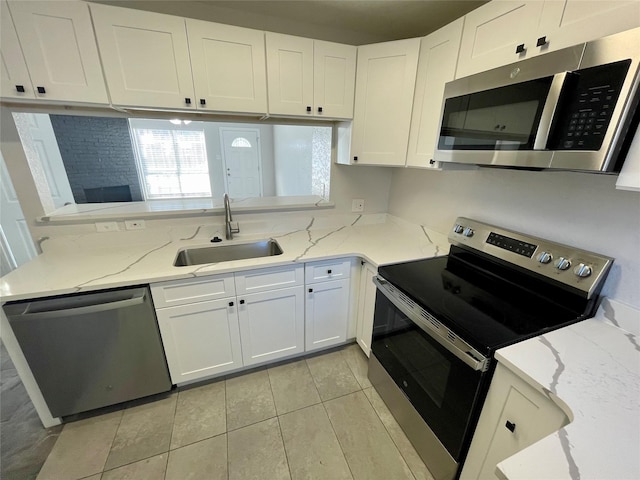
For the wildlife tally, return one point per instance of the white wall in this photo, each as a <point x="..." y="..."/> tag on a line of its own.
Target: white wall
<point x="578" y="209"/>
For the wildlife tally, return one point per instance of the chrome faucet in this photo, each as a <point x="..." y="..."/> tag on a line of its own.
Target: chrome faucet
<point x="227" y="219"/>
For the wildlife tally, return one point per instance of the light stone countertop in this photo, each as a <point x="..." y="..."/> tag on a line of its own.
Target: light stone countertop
<point x="78" y="263"/>
<point x="592" y="371"/>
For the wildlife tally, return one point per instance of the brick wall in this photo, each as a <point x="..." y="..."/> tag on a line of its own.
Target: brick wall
<point x="96" y="152"/>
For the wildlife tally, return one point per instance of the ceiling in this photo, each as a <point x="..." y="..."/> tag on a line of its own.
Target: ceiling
<point x="355" y="22"/>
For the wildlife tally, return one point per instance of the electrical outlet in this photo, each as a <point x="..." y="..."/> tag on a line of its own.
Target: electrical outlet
<point x="357" y="205"/>
<point x="107" y="226"/>
<point x="134" y="224"/>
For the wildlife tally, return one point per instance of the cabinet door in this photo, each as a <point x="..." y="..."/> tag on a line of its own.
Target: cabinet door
<point x="385" y="82"/>
<point x="145" y="57"/>
<point x="60" y="50"/>
<point x="567" y="22"/>
<point x="13" y="69"/>
<point x="366" y="306"/>
<point x="334" y="77"/>
<point x="436" y="66"/>
<point x="228" y="66"/>
<point x="290" y="74"/>
<point x="326" y="314"/>
<point x="531" y="416"/>
<point x="629" y="178"/>
<point x="201" y="339"/>
<point x="271" y="324"/>
<point x="492" y="33"/>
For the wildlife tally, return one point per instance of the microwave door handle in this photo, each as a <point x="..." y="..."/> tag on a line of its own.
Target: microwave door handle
<point x="544" y="127"/>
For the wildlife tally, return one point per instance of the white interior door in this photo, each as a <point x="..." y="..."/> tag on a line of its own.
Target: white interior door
<point x="241" y="153"/>
<point x="44" y="140"/>
<point x="16" y="245"/>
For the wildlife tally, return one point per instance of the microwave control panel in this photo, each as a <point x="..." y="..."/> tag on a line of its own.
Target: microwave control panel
<point x="587" y="101"/>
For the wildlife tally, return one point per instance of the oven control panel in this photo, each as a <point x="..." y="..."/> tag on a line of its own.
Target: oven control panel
<point x="569" y="265"/>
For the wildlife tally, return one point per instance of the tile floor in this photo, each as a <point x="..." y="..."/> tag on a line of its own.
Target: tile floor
<point x="314" y="418"/>
<point x="24" y="444"/>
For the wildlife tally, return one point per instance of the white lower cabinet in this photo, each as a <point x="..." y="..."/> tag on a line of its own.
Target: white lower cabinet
<point x="212" y="325"/>
<point x="366" y="306"/>
<point x="327" y="303"/>
<point x="515" y="415"/>
<point x="201" y="339"/>
<point x="271" y="324"/>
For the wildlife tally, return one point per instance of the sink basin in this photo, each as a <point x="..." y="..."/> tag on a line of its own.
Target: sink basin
<point x="226" y="253"/>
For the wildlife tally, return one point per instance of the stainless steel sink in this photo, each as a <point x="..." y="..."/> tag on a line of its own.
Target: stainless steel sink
<point x="226" y="253"/>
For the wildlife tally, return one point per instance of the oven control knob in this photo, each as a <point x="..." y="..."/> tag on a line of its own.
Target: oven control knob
<point x="563" y="263"/>
<point x="457" y="228"/>
<point x="545" y="257"/>
<point x="468" y="232"/>
<point x="582" y="270"/>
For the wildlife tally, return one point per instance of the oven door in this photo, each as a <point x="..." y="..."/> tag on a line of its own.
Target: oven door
<point x="441" y="379"/>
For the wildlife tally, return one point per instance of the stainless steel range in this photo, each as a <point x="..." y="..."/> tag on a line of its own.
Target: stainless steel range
<point x="438" y="322"/>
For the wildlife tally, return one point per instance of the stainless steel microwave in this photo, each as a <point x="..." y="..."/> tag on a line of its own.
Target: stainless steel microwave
<point x="572" y="109"/>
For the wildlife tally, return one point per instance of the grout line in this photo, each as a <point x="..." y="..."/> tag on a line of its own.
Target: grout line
<point x="112" y="442"/>
<point x="338" y="439"/>
<point x="284" y="448"/>
<point x="391" y="436"/>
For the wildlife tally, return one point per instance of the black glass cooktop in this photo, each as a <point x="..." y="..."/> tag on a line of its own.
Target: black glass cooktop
<point x="488" y="304"/>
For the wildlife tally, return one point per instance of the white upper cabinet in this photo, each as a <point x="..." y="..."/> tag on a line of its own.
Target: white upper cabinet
<point x="14" y="80"/>
<point x="385" y="82"/>
<point x="436" y="66"/>
<point x="334" y="78"/>
<point x="495" y="33"/>
<point x="228" y="66"/>
<point x="629" y="178"/>
<point x="310" y="77"/>
<point x="59" y="51"/>
<point x="568" y="22"/>
<point x="145" y="57"/>
<point x="503" y="32"/>
<point x="290" y="74"/>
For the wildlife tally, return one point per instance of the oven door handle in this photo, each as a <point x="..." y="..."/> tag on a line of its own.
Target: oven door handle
<point x="441" y="334"/>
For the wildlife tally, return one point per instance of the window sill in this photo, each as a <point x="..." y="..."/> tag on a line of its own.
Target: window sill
<point x="158" y="209"/>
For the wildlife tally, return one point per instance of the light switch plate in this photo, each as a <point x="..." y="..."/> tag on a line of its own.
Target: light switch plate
<point x="134" y="224"/>
<point x="357" y="205"/>
<point x="107" y="226"/>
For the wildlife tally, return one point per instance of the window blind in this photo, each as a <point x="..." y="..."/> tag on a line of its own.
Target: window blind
<point x="173" y="163"/>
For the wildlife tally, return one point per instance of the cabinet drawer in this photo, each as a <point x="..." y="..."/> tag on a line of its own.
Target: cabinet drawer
<point x="327" y="270"/>
<point x="273" y="278"/>
<point x="181" y="292"/>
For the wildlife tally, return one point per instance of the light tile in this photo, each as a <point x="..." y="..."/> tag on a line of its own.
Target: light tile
<point x="332" y="376"/>
<point x="148" y="469"/>
<point x="312" y="448"/>
<point x="200" y="413"/>
<point x="293" y="387"/>
<point x="145" y="431"/>
<point x="417" y="466"/>
<point x="358" y="363"/>
<point x="206" y="459"/>
<point x="256" y="452"/>
<point x="368" y="448"/>
<point x="249" y="400"/>
<point x="82" y="448"/>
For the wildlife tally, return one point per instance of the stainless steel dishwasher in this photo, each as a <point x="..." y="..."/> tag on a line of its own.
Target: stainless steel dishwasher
<point x="91" y="350"/>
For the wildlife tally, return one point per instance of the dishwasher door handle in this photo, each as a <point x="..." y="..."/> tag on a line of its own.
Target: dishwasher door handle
<point x="84" y="310"/>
